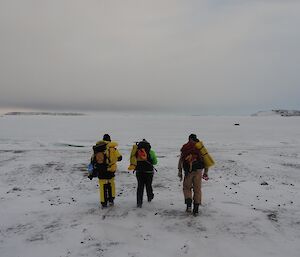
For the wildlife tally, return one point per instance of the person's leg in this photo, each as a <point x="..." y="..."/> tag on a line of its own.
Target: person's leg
<point x="197" y="181"/>
<point x="111" y="191"/>
<point x="106" y="191"/>
<point x="102" y="188"/>
<point x="187" y="190"/>
<point x="140" y="189"/>
<point x="149" y="189"/>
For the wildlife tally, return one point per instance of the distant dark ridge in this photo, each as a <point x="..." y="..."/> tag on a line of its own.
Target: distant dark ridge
<point x="46" y="113"/>
<point x="283" y="113"/>
<point x="287" y="112"/>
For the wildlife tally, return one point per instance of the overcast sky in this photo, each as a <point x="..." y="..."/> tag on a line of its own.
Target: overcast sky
<point x="205" y="57"/>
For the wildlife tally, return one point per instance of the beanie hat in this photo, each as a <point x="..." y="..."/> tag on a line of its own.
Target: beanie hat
<point x="106" y="137"/>
<point x="193" y="137"/>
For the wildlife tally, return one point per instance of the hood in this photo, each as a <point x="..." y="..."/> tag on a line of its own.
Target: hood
<point x="112" y="144"/>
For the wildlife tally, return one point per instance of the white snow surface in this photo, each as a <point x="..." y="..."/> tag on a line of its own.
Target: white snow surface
<point x="50" y="208"/>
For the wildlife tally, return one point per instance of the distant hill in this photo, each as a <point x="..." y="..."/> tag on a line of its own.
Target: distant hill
<point x="46" y="113"/>
<point x="283" y="113"/>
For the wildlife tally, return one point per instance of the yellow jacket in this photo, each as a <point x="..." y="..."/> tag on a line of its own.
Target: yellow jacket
<point x="113" y="155"/>
<point x="133" y="159"/>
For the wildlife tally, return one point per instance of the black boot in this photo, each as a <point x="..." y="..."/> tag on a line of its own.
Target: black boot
<point x="110" y="197"/>
<point x="150" y="198"/>
<point x="188" y="203"/>
<point x="196" y="209"/>
<point x="111" y="202"/>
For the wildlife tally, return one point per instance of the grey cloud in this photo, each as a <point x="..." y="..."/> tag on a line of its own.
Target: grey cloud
<point x="149" y="54"/>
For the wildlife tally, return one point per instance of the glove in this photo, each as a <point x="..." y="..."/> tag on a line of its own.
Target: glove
<point x="205" y="176"/>
<point x="90" y="167"/>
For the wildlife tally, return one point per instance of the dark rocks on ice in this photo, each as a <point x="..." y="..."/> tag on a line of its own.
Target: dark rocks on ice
<point x="264" y="183"/>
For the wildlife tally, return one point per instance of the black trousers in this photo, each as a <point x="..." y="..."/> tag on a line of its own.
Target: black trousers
<point x="144" y="179"/>
<point x="108" y="193"/>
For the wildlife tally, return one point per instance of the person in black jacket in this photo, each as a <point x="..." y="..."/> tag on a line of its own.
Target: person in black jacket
<point x="142" y="160"/>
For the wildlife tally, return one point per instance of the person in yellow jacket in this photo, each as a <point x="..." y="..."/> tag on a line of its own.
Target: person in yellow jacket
<point x="193" y="160"/>
<point x="104" y="161"/>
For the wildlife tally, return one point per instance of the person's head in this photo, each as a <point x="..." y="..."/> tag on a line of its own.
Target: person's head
<point x="106" y="137"/>
<point x="193" y="137"/>
<point x="144" y="144"/>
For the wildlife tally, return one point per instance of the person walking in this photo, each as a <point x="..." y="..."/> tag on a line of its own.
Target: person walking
<point x="194" y="159"/>
<point x="142" y="161"/>
<point x="104" y="163"/>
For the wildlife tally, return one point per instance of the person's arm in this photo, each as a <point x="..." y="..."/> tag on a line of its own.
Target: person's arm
<point x="133" y="161"/>
<point x="119" y="156"/>
<point x="180" y="168"/>
<point x="93" y="159"/>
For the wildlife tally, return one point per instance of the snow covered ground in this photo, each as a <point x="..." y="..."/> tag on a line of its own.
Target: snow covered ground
<point x="49" y="207"/>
